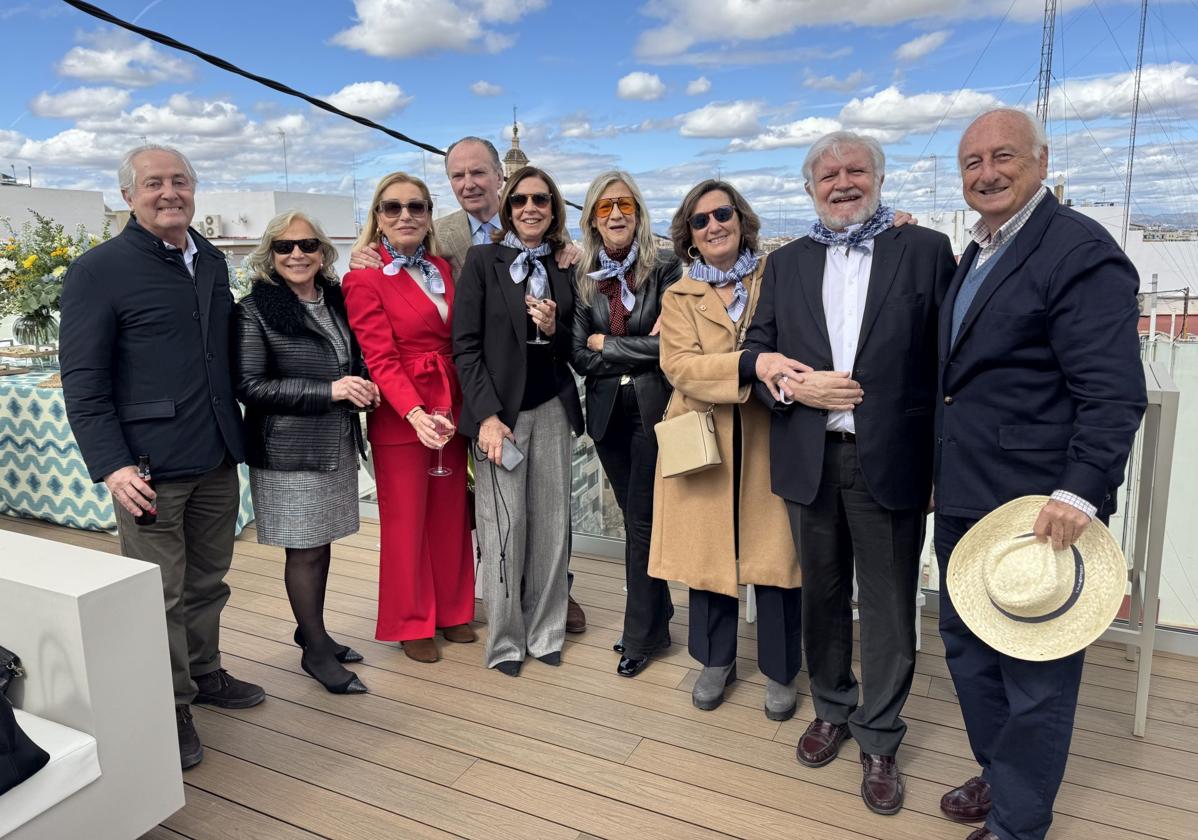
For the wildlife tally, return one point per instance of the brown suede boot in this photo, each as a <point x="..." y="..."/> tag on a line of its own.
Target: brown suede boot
<point x="461" y="633"/>
<point x="421" y="650"/>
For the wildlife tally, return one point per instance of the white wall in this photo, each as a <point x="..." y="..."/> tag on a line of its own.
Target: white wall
<point x="69" y="208"/>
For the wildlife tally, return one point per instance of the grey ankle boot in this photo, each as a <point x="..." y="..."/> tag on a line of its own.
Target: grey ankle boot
<point x="708" y="692"/>
<point x="779" y="700"/>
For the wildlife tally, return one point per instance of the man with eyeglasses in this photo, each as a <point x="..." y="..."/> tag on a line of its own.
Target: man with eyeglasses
<point x="146" y="372"/>
<point x="855" y="302"/>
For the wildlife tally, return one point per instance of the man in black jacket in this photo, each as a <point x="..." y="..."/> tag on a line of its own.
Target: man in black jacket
<point x="855" y="302"/>
<point x="146" y="372"/>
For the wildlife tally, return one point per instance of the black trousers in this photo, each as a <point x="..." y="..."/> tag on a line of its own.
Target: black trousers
<point x="842" y="528"/>
<point x="628" y="453"/>
<point x="1019" y="714"/>
<point x="713" y="623"/>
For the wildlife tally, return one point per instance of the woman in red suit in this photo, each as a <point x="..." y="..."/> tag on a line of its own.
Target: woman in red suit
<point x="400" y="314"/>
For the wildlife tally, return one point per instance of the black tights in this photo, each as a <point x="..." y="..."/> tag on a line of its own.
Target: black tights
<point x="306" y="575"/>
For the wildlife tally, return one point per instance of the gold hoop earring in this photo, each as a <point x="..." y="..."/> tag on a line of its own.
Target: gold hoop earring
<point x="696" y="256"/>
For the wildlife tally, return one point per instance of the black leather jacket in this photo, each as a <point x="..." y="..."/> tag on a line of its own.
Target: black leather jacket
<point x="284" y="373"/>
<point x="635" y="354"/>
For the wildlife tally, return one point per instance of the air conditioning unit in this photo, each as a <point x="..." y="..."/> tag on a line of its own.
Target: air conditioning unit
<point x="211" y="227"/>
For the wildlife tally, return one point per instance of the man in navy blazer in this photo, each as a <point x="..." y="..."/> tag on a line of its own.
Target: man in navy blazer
<point x="146" y="371"/>
<point x="1041" y="392"/>
<point x="855" y="302"/>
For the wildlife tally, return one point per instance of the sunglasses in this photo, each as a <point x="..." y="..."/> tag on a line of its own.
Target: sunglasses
<point x="539" y="200"/>
<point x="721" y="214"/>
<point x="603" y="206"/>
<point x="283" y="247"/>
<point x="391" y="208"/>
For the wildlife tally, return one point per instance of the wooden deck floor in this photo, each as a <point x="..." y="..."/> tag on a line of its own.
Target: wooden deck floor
<point x="576" y="752"/>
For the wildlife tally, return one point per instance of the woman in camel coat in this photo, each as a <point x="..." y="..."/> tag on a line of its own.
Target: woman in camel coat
<point x="721" y="528"/>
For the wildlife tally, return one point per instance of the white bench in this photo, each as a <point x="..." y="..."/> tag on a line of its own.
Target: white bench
<point x="91" y="633"/>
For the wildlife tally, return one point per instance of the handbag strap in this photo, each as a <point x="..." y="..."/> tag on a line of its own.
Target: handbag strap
<point x="10" y="668"/>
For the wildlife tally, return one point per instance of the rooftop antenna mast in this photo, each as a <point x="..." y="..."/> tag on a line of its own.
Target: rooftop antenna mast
<point x="1135" y="115"/>
<point x="1045" y="86"/>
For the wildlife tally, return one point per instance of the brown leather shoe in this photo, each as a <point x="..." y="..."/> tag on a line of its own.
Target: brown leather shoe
<point x="982" y="833"/>
<point x="820" y="742"/>
<point x="576" y="619"/>
<point x="881" y="786"/>
<point x="968" y="803"/>
<point x="463" y="634"/>
<point x="422" y="650"/>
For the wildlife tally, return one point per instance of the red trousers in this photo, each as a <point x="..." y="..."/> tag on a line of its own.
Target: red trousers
<point x="426" y="565"/>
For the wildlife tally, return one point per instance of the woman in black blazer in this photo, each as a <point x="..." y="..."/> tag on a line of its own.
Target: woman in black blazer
<point x="300" y="374"/>
<point x="511" y="344"/>
<point x="620" y="281"/>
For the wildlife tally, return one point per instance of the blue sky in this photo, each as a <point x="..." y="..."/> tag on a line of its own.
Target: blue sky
<point x="672" y="90"/>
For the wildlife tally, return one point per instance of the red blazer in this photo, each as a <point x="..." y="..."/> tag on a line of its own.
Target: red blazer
<point x="407" y="347"/>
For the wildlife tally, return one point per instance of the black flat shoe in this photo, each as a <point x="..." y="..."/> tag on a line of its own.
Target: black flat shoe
<point x="552" y="658"/>
<point x="344" y="653"/>
<point x="511" y="667"/>
<point x="630" y="666"/>
<point x="353" y="685"/>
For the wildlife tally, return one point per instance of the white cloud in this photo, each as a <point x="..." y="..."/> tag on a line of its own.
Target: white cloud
<point x="1164" y="87"/>
<point x="370" y="99"/>
<point x="639" y="85"/>
<point x="850" y="82"/>
<point x="924" y="45"/>
<point x="755" y="20"/>
<point x="404" y="28"/>
<point x="123" y="59"/>
<point x="891" y="115"/>
<point x="799" y="133"/>
<point x="484" y="88"/>
<point x="722" y="119"/>
<point x="80" y="102"/>
<point x="699" y="86"/>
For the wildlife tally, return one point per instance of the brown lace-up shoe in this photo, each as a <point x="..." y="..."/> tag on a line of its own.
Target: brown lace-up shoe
<point x="576" y="619"/>
<point x="968" y="803"/>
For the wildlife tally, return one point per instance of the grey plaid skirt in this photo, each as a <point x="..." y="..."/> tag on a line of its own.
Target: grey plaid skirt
<point x="300" y="509"/>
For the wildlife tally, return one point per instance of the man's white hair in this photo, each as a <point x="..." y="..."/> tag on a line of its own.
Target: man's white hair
<point x="1039" y="138"/>
<point x="126" y="176"/>
<point x="837" y="142"/>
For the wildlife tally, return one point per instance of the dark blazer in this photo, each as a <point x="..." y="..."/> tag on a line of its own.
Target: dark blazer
<point x="1043" y="389"/>
<point x="145" y="357"/>
<point x="895" y="364"/>
<point x="490" y="335"/>
<point x="636" y="353"/>
<point x="284" y="372"/>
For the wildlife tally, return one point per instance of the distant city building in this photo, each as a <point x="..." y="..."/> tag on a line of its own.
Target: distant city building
<point x="515" y="159"/>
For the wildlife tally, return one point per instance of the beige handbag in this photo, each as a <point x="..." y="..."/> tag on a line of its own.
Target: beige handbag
<point x="687" y="443"/>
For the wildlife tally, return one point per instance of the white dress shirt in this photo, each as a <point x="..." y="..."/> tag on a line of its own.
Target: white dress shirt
<point x="189" y="254"/>
<point x="846" y="283"/>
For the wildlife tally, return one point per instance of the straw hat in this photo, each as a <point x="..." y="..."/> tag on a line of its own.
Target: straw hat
<point x="1024" y="599"/>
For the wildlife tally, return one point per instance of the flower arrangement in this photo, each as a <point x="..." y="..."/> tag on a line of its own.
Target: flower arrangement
<point x="33" y="261"/>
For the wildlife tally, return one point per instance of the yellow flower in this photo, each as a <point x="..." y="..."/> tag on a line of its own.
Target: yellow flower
<point x="30" y="260"/>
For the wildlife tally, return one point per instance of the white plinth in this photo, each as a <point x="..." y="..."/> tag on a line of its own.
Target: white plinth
<point x="90" y="629"/>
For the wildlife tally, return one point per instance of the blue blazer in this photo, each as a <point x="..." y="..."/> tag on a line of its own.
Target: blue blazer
<point x="1043" y="389"/>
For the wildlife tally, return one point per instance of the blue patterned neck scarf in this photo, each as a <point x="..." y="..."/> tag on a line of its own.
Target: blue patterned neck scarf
<point x="882" y="219"/>
<point x="527" y="266"/>
<point x="432" y="277"/>
<point x="745" y="265"/>
<point x="609" y="268"/>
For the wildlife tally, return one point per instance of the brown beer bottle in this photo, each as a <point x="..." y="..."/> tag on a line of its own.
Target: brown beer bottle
<point x="146" y="517"/>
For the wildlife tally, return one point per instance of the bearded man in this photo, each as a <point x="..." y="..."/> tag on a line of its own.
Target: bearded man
<point x="853" y="305"/>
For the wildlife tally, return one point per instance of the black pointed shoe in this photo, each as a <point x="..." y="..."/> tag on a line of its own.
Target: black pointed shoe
<point x="344" y="653"/>
<point x="349" y="683"/>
